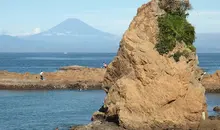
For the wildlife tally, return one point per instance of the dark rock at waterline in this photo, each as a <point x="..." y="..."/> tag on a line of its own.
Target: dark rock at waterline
<point x="210" y="124"/>
<point x="214" y="117"/>
<point x="98" y="125"/>
<point x="217" y="109"/>
<point x="98" y="116"/>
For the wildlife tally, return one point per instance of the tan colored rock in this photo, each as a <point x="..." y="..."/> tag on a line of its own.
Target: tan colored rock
<point x="147" y="90"/>
<point x="212" y="82"/>
<point x="210" y="125"/>
<point x="69" y="78"/>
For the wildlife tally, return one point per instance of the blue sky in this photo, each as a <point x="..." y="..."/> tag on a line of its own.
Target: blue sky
<point x="21" y="17"/>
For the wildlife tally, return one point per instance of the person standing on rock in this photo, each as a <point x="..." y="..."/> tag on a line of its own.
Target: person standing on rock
<point x="41" y="75"/>
<point x="202" y="75"/>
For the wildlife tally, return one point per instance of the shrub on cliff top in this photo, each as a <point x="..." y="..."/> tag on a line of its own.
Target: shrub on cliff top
<point x="174" y="28"/>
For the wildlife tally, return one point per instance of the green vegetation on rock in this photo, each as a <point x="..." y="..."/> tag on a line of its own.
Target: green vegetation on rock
<point x="174" y="28"/>
<point x="177" y="56"/>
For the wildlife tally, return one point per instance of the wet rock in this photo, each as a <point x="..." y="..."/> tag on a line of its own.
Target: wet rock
<point x="98" y="125"/>
<point x="98" y="116"/>
<point x="217" y="109"/>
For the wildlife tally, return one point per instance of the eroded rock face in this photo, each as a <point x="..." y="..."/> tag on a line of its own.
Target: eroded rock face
<point x="147" y="90"/>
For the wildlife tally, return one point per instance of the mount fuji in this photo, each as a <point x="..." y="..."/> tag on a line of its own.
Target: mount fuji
<point x="71" y="35"/>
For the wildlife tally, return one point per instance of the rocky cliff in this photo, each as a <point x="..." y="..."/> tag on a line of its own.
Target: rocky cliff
<point x="149" y="90"/>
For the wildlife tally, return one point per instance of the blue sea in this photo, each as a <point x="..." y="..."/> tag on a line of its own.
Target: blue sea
<point x="50" y="62"/>
<point x="46" y="110"/>
<point x="210" y="62"/>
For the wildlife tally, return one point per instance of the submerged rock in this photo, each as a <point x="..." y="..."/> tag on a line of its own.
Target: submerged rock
<point x="146" y="90"/>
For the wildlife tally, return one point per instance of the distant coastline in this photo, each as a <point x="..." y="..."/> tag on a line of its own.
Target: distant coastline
<point x="72" y="77"/>
<point x="75" y="78"/>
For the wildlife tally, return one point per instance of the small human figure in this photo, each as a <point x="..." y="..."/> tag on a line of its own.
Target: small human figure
<point x="57" y="128"/>
<point x="202" y="76"/>
<point x="105" y="65"/>
<point x="41" y="75"/>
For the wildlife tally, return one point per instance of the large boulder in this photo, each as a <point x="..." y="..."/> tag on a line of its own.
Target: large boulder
<point x="146" y="90"/>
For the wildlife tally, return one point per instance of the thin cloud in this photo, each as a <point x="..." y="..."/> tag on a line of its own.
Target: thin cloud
<point x="34" y="31"/>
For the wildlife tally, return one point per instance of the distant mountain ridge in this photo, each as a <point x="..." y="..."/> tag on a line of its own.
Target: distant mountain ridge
<point x="72" y="31"/>
<point x="72" y="35"/>
<point x="74" y="26"/>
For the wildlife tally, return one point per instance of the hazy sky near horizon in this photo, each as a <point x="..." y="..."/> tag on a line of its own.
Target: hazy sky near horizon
<point x="24" y="17"/>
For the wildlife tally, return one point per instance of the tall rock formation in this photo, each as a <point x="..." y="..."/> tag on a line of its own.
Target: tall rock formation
<point x="147" y="90"/>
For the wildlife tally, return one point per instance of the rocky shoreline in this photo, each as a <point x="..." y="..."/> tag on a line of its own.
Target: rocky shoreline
<point x="71" y="77"/>
<point x="77" y="77"/>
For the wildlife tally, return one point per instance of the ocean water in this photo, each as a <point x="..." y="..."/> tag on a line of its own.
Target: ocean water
<point x="210" y="62"/>
<point x="46" y="110"/>
<point x="50" y="62"/>
<point x="213" y="100"/>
